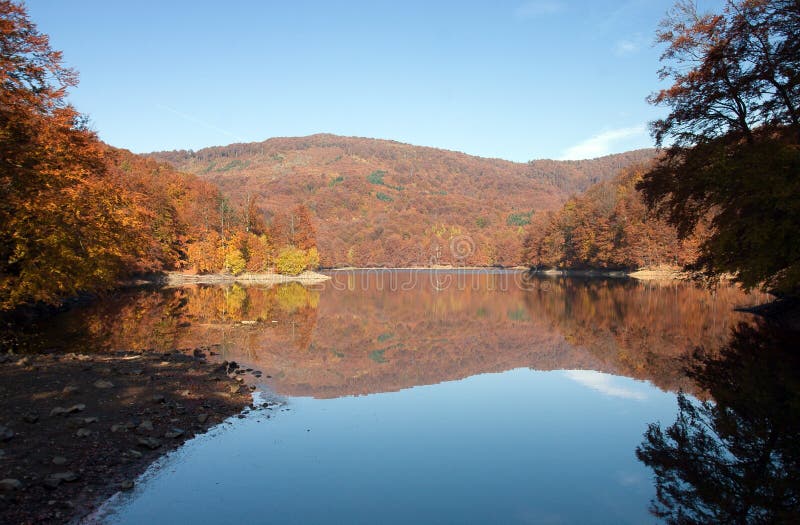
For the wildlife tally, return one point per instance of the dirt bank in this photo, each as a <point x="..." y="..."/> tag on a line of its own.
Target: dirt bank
<point x="74" y="429"/>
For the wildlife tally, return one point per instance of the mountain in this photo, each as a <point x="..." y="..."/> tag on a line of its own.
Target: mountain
<point x="385" y="203"/>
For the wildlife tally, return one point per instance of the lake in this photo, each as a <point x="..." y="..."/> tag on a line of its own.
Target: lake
<point x="463" y="397"/>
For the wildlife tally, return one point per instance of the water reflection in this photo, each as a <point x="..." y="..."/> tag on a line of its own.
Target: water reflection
<point x="384" y="331"/>
<point x="736" y="459"/>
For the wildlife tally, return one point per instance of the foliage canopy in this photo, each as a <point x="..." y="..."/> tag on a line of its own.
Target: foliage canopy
<point x="733" y="138"/>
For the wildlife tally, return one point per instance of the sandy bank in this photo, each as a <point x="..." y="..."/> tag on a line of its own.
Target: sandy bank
<point x="178" y="278"/>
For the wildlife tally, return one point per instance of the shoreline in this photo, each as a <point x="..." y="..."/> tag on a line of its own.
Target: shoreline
<point x="77" y="428"/>
<point x="180" y="278"/>
<point x="643" y="274"/>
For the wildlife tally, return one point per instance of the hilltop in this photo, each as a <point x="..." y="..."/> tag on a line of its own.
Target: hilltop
<point x="385" y="203"/>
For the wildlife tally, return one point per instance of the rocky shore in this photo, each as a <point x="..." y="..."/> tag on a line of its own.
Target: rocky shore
<point x="75" y="429"/>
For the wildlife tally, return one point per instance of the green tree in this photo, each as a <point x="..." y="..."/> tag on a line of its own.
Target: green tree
<point x="733" y="136"/>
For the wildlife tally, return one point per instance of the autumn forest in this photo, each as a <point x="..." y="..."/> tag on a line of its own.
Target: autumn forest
<point x="81" y="216"/>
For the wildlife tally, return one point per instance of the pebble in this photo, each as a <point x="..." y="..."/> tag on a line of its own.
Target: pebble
<point x="6" y="434"/>
<point x="58" y="411"/>
<point x="69" y="390"/>
<point x="126" y="485"/>
<point x="174" y="433"/>
<point x="54" y="480"/>
<point x="103" y="384"/>
<point x="83" y="432"/>
<point x="159" y="398"/>
<point x="59" y="460"/>
<point x="145" y="426"/>
<point x="202" y="418"/>
<point x="80" y="407"/>
<point x="31" y="418"/>
<point x="9" y="484"/>
<point x="135" y="453"/>
<point x="149" y="442"/>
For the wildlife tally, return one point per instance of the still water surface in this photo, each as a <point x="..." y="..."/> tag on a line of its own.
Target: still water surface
<point x="433" y="397"/>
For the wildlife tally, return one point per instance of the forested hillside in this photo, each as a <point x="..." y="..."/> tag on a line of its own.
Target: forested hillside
<point x="384" y="203"/>
<point x="608" y="227"/>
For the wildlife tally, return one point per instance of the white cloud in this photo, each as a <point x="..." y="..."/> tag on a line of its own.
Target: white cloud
<point x="604" y="384"/>
<point x="602" y="143"/>
<point x="628" y="46"/>
<point x="537" y="8"/>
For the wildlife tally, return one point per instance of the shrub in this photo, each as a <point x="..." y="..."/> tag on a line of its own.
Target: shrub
<point x="291" y="261"/>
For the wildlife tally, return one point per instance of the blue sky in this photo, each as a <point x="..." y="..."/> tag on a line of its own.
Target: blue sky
<point x="515" y="80"/>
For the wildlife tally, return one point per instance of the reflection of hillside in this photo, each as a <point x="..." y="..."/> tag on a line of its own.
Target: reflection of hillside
<point x="357" y="336"/>
<point x="369" y="339"/>
<point x="640" y="330"/>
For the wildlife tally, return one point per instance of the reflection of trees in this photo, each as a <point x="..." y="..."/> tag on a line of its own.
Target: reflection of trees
<point x="640" y="330"/>
<point x="736" y="460"/>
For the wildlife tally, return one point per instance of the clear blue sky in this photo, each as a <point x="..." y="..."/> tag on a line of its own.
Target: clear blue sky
<point x="514" y="80"/>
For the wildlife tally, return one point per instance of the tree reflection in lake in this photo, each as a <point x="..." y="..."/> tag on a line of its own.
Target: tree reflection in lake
<point x="367" y="332"/>
<point x="737" y="459"/>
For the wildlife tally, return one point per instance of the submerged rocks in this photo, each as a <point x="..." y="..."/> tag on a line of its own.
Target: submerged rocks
<point x="126" y="485"/>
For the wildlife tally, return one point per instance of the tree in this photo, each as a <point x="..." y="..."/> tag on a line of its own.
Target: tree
<point x="64" y="228"/>
<point x="733" y="138"/>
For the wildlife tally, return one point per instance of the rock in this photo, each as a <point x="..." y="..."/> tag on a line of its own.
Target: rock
<point x="67" y="476"/>
<point x="83" y="432"/>
<point x="126" y="485"/>
<point x="10" y="484"/>
<point x="6" y="434"/>
<point x="202" y="418"/>
<point x="59" y="460"/>
<point x="75" y="422"/>
<point x="119" y="428"/>
<point x="134" y="453"/>
<point x="90" y="420"/>
<point x="149" y="442"/>
<point x="234" y="389"/>
<point x="240" y="379"/>
<point x="69" y="390"/>
<point x="80" y="407"/>
<point x="31" y="418"/>
<point x="145" y="426"/>
<point x="54" y="480"/>
<point x="159" y="398"/>
<point x="103" y="384"/>
<point x="58" y="411"/>
<point x="174" y="433"/>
